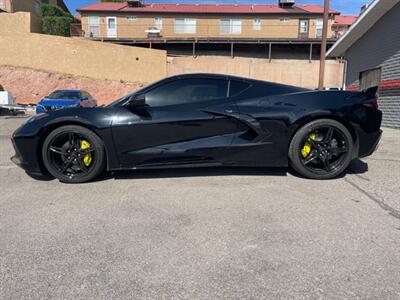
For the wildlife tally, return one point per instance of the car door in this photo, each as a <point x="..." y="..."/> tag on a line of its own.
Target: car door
<point x="180" y="124"/>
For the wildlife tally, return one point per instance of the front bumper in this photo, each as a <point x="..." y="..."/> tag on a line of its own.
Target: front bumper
<point x="24" y="157"/>
<point x="16" y="160"/>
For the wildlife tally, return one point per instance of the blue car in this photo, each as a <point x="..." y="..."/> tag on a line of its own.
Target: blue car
<point x="65" y="98"/>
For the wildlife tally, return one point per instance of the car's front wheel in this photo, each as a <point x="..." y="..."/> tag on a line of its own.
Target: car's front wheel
<point x="73" y="154"/>
<point x="321" y="149"/>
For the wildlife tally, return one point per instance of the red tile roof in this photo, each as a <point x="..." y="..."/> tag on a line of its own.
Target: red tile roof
<point x="345" y="20"/>
<point x="314" y="8"/>
<point x="103" y="6"/>
<point x="204" y="8"/>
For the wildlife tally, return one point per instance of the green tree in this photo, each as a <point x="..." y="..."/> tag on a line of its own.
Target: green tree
<point x="55" y="21"/>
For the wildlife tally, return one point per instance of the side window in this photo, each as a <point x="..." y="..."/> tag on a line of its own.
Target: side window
<point x="237" y="87"/>
<point x="187" y="91"/>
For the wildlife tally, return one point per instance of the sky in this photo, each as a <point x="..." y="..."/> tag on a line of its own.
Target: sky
<point x="346" y="7"/>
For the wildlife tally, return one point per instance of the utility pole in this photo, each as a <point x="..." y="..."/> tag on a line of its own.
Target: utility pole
<point x="323" y="45"/>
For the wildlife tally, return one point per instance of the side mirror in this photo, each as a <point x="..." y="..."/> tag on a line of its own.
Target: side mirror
<point x="138" y="101"/>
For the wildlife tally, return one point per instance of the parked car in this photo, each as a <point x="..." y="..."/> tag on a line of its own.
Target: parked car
<point x="65" y="98"/>
<point x="7" y="103"/>
<point x="203" y="120"/>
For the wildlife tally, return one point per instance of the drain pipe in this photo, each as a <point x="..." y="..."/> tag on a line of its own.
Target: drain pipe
<point x="344" y="61"/>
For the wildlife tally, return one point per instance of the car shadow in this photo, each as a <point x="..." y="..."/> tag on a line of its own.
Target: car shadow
<point x="356" y="167"/>
<point x="193" y="172"/>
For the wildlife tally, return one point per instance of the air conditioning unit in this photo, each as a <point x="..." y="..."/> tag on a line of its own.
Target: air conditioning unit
<point x="286" y="3"/>
<point x="153" y="32"/>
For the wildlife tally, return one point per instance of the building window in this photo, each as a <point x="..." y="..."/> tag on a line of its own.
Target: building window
<point x="158" y="22"/>
<point x="2" y="4"/>
<point x="284" y="19"/>
<point x="257" y="24"/>
<point x="94" y="26"/>
<point x="320" y="26"/>
<point x="370" y="78"/>
<point x="185" y="25"/>
<point x="131" y="18"/>
<point x="231" y="26"/>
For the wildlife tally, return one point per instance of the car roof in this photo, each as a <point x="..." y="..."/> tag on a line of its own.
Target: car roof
<point x="233" y="77"/>
<point x="77" y="91"/>
<point x="210" y="75"/>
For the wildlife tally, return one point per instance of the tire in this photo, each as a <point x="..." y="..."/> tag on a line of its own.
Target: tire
<point x="56" y="159"/>
<point x="324" y="161"/>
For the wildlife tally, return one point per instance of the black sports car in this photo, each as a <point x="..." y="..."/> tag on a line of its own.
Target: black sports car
<point x="204" y="120"/>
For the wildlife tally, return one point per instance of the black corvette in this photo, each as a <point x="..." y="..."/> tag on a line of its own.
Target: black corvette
<point x="204" y="120"/>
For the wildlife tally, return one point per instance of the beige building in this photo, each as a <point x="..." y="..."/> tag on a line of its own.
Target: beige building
<point x="137" y="20"/>
<point x="342" y="24"/>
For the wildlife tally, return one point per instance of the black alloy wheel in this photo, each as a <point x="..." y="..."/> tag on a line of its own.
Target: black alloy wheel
<point x="73" y="154"/>
<point x="322" y="149"/>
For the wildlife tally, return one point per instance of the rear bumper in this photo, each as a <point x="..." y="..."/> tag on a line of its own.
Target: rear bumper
<point x="368" y="143"/>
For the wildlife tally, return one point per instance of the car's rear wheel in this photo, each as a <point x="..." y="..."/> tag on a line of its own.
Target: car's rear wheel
<point x="321" y="149"/>
<point x="73" y="154"/>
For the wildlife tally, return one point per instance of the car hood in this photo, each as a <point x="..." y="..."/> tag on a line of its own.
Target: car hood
<point x="59" y="102"/>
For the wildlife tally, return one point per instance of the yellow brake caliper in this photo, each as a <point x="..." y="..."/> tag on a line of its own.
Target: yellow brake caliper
<point x="305" y="151"/>
<point x="87" y="158"/>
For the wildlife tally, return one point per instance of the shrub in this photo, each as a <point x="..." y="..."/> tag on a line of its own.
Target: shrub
<point x="55" y="21"/>
<point x="48" y="10"/>
<point x="56" y="25"/>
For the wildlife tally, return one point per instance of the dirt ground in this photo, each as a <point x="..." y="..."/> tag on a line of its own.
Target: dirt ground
<point x="30" y="86"/>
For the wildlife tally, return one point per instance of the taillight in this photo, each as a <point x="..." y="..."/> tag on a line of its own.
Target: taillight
<point x="372" y="104"/>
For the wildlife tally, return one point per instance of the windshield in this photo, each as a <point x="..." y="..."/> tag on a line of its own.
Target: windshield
<point x="126" y="97"/>
<point x="65" y="95"/>
<point x="122" y="99"/>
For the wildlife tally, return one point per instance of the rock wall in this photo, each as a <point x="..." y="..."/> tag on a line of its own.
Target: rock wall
<point x="29" y="86"/>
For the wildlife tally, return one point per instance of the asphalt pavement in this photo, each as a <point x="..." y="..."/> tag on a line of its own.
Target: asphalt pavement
<point x="202" y="234"/>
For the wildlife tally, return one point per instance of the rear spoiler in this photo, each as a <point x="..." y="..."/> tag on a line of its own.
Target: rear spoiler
<point x="370" y="93"/>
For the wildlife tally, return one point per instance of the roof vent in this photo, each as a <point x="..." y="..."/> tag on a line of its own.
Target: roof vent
<point x="286" y="3"/>
<point x="135" y="3"/>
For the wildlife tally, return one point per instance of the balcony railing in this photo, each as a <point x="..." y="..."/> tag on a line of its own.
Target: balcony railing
<point x="200" y="31"/>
